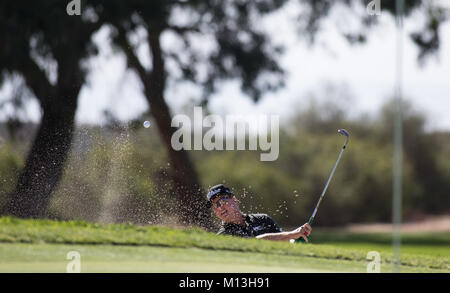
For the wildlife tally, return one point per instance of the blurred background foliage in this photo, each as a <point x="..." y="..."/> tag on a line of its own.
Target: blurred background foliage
<point x="119" y="173"/>
<point x="124" y="172"/>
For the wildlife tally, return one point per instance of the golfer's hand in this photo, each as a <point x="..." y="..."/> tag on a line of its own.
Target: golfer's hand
<point x="302" y="231"/>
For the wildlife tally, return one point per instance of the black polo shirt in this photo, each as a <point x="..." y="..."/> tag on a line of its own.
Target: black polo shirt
<point x="255" y="224"/>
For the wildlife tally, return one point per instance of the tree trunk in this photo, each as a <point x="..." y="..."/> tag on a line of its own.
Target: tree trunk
<point x="46" y="159"/>
<point x="193" y="205"/>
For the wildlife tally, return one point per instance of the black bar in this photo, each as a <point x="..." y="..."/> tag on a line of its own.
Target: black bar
<point x="208" y="282"/>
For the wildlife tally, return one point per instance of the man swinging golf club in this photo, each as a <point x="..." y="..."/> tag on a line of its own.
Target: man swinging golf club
<point x="236" y="223"/>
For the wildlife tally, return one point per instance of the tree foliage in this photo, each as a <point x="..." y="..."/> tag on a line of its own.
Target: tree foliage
<point x="426" y="38"/>
<point x="200" y="42"/>
<point x="45" y="50"/>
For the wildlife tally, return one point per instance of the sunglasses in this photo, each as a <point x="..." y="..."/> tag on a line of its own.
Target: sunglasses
<point x="220" y="202"/>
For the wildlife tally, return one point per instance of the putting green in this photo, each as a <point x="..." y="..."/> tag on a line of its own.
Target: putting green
<point x="19" y="257"/>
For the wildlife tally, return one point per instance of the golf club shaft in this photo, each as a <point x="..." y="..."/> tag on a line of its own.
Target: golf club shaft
<point x="311" y="219"/>
<point x="326" y="186"/>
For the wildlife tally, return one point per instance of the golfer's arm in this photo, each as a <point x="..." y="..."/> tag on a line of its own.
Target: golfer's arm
<point x="281" y="236"/>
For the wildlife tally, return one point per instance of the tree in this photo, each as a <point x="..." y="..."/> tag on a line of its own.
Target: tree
<point x="45" y="49"/>
<point x="234" y="48"/>
<point x="239" y="51"/>
<point x="421" y="149"/>
<point x="427" y="39"/>
<point x="218" y="40"/>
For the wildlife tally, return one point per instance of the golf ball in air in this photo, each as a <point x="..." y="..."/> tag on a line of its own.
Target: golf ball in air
<point x="147" y="124"/>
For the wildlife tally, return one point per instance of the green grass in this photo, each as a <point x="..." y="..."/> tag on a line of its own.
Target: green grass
<point x="42" y="245"/>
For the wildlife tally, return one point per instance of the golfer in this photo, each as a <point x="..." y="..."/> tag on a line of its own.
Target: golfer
<point x="234" y="222"/>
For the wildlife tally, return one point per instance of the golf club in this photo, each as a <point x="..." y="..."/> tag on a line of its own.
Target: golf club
<point x="347" y="135"/>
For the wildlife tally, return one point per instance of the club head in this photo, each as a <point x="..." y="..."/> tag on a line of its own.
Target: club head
<point x="346" y="134"/>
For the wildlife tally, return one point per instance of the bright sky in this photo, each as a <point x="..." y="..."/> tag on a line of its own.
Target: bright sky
<point x="367" y="71"/>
